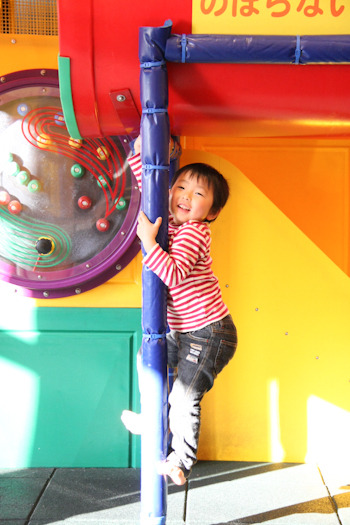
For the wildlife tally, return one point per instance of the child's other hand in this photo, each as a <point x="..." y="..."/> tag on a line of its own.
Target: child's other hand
<point x="137" y="145"/>
<point x="147" y="231"/>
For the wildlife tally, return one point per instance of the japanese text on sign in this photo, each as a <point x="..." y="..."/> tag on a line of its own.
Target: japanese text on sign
<point x="271" y="16"/>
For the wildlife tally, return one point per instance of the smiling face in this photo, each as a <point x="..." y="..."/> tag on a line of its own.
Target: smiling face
<point x="191" y="198"/>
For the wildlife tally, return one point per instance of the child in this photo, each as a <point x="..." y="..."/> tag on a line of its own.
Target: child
<point x="202" y="337"/>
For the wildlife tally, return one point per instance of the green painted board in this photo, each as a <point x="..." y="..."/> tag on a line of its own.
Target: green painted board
<point x="64" y="382"/>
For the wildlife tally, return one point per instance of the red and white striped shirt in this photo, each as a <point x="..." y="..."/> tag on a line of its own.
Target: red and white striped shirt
<point x="194" y="296"/>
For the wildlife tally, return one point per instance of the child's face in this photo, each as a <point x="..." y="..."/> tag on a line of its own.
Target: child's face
<point x="191" y="199"/>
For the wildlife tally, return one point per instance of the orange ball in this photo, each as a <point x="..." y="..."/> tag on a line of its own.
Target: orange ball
<point x="102" y="225"/>
<point x="14" y="207"/>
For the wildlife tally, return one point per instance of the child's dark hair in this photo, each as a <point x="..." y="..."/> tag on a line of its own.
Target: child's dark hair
<point x="213" y="178"/>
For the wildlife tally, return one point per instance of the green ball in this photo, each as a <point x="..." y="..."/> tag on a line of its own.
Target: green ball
<point x="121" y="204"/>
<point x="102" y="181"/>
<point x="23" y="177"/>
<point x="77" y="170"/>
<point x="12" y="168"/>
<point x="34" y="186"/>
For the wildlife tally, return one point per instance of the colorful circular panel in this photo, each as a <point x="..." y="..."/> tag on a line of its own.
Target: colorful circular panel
<point x="68" y="207"/>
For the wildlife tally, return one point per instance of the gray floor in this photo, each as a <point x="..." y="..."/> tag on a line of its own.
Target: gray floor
<point x="219" y="493"/>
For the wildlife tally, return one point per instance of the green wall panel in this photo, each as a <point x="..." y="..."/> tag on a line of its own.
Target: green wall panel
<point x="64" y="380"/>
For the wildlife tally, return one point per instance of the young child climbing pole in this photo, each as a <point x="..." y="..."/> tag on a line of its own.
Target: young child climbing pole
<point x="202" y="337"/>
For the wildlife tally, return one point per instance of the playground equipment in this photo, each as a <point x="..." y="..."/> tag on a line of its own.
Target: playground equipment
<point x="197" y="101"/>
<point x="100" y="73"/>
<point x="266" y="91"/>
<point x="77" y="195"/>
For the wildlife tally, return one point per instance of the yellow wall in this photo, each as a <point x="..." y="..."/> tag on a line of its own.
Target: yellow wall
<point x="285" y="396"/>
<point x="281" y="251"/>
<point x="19" y="52"/>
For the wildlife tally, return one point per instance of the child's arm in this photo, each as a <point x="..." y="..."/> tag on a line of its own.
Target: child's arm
<point x="135" y="160"/>
<point x="136" y="167"/>
<point x="190" y="244"/>
<point x="137" y="145"/>
<point x="147" y="231"/>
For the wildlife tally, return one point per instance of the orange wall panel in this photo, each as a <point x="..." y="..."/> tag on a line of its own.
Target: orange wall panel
<point x="285" y="395"/>
<point x="307" y="179"/>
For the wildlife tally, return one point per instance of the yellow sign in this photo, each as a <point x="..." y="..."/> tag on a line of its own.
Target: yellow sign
<point x="271" y="17"/>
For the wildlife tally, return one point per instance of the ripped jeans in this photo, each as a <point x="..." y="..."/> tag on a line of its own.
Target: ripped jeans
<point x="199" y="357"/>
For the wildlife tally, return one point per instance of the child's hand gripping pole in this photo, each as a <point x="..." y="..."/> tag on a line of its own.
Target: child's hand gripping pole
<point x="147" y="231"/>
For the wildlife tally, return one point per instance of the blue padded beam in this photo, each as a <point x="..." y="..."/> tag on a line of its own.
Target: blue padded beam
<point x="325" y="49"/>
<point x="258" y="49"/>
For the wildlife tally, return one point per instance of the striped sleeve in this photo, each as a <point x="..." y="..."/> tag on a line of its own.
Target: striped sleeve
<point x="189" y="245"/>
<point x="136" y="167"/>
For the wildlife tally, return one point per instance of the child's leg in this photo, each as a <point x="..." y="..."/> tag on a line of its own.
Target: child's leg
<point x="131" y="420"/>
<point x="201" y="356"/>
<point x="176" y="474"/>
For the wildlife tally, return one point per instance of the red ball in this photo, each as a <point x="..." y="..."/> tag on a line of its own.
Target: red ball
<point x="4" y="197"/>
<point x="15" y="207"/>
<point x="84" y="202"/>
<point x="102" y="225"/>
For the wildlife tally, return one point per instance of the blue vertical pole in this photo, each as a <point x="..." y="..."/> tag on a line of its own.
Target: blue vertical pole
<point x="155" y="135"/>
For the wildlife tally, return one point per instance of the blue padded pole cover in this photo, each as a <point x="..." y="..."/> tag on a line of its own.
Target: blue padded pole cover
<point x="155" y="135"/>
<point x="258" y="49"/>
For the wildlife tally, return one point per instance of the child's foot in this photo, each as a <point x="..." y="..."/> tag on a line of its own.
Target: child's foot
<point x="131" y="421"/>
<point x="175" y="473"/>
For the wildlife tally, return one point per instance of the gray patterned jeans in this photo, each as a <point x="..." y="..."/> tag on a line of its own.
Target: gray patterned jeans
<point x="199" y="357"/>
